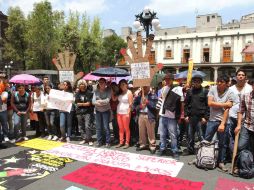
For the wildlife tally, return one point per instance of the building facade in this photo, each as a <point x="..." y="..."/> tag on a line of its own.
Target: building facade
<point x="214" y="47"/>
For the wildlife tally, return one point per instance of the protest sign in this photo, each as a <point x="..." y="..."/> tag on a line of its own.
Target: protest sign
<point x="60" y="100"/>
<point x="66" y="75"/>
<point x="125" y="160"/>
<point x="104" y="177"/>
<point x="140" y="70"/>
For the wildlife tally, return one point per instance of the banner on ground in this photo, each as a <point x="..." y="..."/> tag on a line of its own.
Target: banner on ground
<point x="27" y="166"/>
<point x="105" y="177"/>
<point x="229" y="184"/>
<point x="40" y="144"/>
<point x="125" y="160"/>
<point x="60" y="100"/>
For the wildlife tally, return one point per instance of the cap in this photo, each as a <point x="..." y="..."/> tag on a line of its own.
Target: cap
<point x="169" y="76"/>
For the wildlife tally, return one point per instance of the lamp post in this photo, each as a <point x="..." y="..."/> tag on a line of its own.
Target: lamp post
<point x="146" y="20"/>
<point x="8" y="68"/>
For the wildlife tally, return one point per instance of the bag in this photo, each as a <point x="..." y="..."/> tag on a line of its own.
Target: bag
<point x="245" y="164"/>
<point x="207" y="155"/>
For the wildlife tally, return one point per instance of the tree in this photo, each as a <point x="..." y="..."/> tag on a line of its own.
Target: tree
<point x="15" y="45"/>
<point x="41" y="35"/>
<point x="111" y="47"/>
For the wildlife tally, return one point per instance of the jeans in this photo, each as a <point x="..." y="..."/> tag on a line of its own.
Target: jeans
<point x="102" y="123"/>
<point x="50" y="121"/>
<point x="246" y="140"/>
<point x="85" y="126"/>
<point x="115" y="126"/>
<point x="66" y="123"/>
<point x="20" y="122"/>
<point x="3" y="127"/>
<point x="10" y="121"/>
<point x="212" y="127"/>
<point x="193" y="127"/>
<point x="168" y="126"/>
<point x="230" y="133"/>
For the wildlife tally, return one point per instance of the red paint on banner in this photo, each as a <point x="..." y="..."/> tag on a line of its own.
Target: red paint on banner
<point x="105" y="177"/>
<point x="228" y="184"/>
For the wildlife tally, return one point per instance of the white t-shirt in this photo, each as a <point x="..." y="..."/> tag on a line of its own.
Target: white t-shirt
<point x="178" y="90"/>
<point x="235" y="108"/>
<point x="123" y="105"/>
<point x="36" y="102"/>
<point x="3" y="106"/>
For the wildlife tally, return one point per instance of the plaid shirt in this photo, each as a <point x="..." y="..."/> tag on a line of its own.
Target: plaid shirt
<point x="247" y="107"/>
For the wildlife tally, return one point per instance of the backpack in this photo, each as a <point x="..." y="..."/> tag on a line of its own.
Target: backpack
<point x="245" y="164"/>
<point x="207" y="155"/>
<point x="17" y="97"/>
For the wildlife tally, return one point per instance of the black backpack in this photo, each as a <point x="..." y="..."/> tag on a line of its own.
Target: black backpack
<point x="245" y="164"/>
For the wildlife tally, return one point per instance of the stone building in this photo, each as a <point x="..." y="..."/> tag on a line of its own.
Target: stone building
<point x="214" y="47"/>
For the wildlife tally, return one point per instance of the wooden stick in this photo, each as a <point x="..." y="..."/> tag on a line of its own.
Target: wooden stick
<point x="234" y="152"/>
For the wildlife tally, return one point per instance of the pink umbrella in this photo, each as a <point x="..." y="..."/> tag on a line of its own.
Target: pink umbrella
<point x="249" y="49"/>
<point x="25" y="79"/>
<point x="89" y="76"/>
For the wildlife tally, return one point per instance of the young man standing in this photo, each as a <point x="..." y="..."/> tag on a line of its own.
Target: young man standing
<point x="220" y="99"/>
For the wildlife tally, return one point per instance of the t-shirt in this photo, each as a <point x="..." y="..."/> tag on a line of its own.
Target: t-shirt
<point x="123" y="105"/>
<point x="36" y="102"/>
<point x="3" y="106"/>
<point x="235" y="108"/>
<point x="216" y="114"/>
<point x="84" y="97"/>
<point x="178" y="90"/>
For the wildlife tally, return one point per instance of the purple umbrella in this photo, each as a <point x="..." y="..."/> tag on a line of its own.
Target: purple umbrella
<point x="25" y="79"/>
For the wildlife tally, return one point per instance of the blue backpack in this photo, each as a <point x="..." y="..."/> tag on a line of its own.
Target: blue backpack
<point x="245" y="164"/>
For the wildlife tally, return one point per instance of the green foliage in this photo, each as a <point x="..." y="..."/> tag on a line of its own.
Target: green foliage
<point x="111" y="47"/>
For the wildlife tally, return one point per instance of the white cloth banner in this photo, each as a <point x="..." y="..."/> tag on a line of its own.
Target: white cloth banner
<point x="140" y="70"/>
<point x="113" y="158"/>
<point x="59" y="99"/>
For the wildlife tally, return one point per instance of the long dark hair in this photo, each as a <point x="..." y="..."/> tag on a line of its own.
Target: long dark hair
<point x="120" y="82"/>
<point x="69" y="89"/>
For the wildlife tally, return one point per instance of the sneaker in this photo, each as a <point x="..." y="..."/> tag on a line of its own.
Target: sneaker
<point x="62" y="139"/>
<point x="68" y="140"/>
<point x="25" y="138"/>
<point x="6" y="139"/>
<point x="176" y="156"/>
<point x="107" y="145"/>
<point x="90" y="143"/>
<point x="82" y="142"/>
<point x="19" y="139"/>
<point x="223" y="167"/>
<point x="49" y="137"/>
<point x="13" y="141"/>
<point x="55" y="138"/>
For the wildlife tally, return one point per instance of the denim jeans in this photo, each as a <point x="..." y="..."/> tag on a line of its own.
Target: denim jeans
<point x="85" y="125"/>
<point x="193" y="127"/>
<point x="212" y="128"/>
<point x="230" y="133"/>
<point x="3" y="127"/>
<point x="115" y="126"/>
<point x="20" y="122"/>
<point x="50" y="121"/>
<point x="66" y="123"/>
<point x="10" y="121"/>
<point x="246" y="140"/>
<point x="102" y="124"/>
<point x="167" y="127"/>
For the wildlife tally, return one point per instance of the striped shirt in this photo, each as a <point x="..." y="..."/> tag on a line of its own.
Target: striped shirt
<point x="247" y="107"/>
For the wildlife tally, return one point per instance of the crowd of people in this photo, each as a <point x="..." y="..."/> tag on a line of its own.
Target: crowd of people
<point x="137" y="115"/>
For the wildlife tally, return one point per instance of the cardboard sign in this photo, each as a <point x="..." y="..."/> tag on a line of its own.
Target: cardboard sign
<point x="60" y="100"/>
<point x="104" y="177"/>
<point x="125" y="160"/>
<point x="66" y="75"/>
<point x="140" y="70"/>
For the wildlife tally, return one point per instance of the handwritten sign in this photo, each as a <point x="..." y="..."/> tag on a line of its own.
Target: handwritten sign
<point x="140" y="70"/>
<point x="125" y="160"/>
<point x="60" y="100"/>
<point x="66" y="75"/>
<point x="228" y="184"/>
<point x="40" y="144"/>
<point x="104" y="177"/>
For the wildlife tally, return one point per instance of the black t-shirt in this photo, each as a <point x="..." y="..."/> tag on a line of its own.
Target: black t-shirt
<point x="84" y="97"/>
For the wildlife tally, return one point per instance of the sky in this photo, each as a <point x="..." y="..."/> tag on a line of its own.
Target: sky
<point x="115" y="14"/>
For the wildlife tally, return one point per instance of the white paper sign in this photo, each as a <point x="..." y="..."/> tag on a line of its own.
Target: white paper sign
<point x="66" y="75"/>
<point x="140" y="70"/>
<point x="60" y="100"/>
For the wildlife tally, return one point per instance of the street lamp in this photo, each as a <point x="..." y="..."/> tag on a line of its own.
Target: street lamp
<point x="146" y="20"/>
<point x="8" y="68"/>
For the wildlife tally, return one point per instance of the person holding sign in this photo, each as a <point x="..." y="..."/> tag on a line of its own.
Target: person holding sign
<point x="101" y="100"/>
<point x="124" y="113"/>
<point x="84" y="111"/>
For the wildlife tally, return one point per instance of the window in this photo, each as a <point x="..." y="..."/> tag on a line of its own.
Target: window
<point x="152" y="57"/>
<point x="248" y="57"/>
<point x="226" y="54"/>
<point x="208" y="18"/>
<point x="206" y="55"/>
<point x="168" y="53"/>
<point x="186" y="55"/>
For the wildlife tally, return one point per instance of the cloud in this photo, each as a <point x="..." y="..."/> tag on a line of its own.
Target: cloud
<point x="176" y="7"/>
<point x="90" y="6"/>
